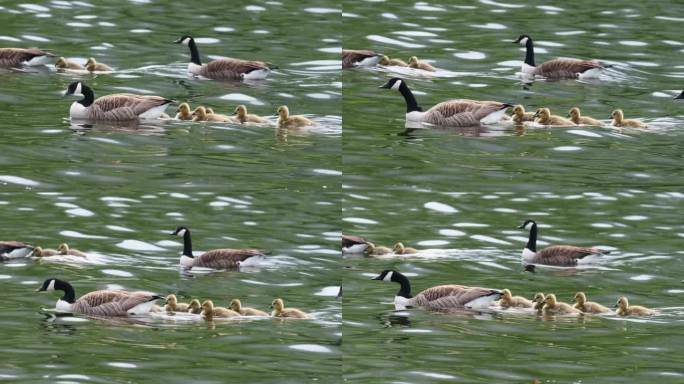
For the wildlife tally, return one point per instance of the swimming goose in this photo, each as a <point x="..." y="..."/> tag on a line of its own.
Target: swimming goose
<point x="377" y="249"/>
<point x="63" y="63"/>
<point x="441" y="296"/>
<point x="100" y="303"/>
<point x="453" y="113"/>
<point x="399" y="249"/>
<point x="386" y="61"/>
<point x="359" y="58"/>
<point x="195" y="307"/>
<point x="183" y="112"/>
<point x="585" y="306"/>
<point x="44" y="252"/>
<point x="172" y="304"/>
<point x="236" y="306"/>
<point x="577" y="118"/>
<point x="244" y="117"/>
<point x="209" y="311"/>
<point x="353" y="244"/>
<point x="519" y="115"/>
<point x="224" y="68"/>
<point x="116" y="107"/>
<point x="92" y="66"/>
<point x="414" y="63"/>
<point x="295" y="121"/>
<point x="624" y="309"/>
<point x="508" y="300"/>
<point x="554" y="307"/>
<point x="64" y="249"/>
<point x="544" y="117"/>
<point x="560" y="68"/>
<point x="620" y="121"/>
<point x="210" y="110"/>
<point x="279" y="310"/>
<point x="539" y="301"/>
<point x="14" y="250"/>
<point x="216" y="258"/>
<point x="201" y="114"/>
<point x="560" y="255"/>
<point x="16" y="57"/>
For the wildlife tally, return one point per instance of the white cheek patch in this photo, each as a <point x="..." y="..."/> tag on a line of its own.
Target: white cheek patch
<point x="396" y="85"/>
<point x="388" y="276"/>
<point x="524" y="41"/>
<point x="528" y="226"/>
<point x="51" y="286"/>
<point x="186" y="41"/>
<point x="181" y="232"/>
<point x="78" y="91"/>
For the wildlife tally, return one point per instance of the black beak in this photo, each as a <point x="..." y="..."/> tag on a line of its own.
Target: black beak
<point x="521" y="226"/>
<point x="386" y="85"/>
<point x="681" y="96"/>
<point x="177" y="41"/>
<point x="377" y="278"/>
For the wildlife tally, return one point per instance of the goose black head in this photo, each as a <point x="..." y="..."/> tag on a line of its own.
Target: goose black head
<point x="74" y="89"/>
<point x="526" y="223"/>
<point x="48" y="285"/>
<point x="522" y="40"/>
<point x="386" y="275"/>
<point x="393" y="83"/>
<point x="180" y="231"/>
<point x="186" y="39"/>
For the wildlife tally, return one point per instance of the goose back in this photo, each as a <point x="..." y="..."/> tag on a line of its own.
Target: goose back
<point x="230" y="69"/>
<point x="461" y="113"/>
<point x="226" y="258"/>
<point x="14" y="57"/>
<point x="124" y="106"/>
<point x="352" y="57"/>
<point x="111" y="303"/>
<point x="565" y="68"/>
<point x="451" y="296"/>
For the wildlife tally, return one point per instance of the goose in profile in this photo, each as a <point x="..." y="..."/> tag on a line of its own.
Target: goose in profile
<point x="508" y="300"/>
<point x="624" y="309"/>
<point x="377" y="250"/>
<point x="14" y="250"/>
<point x="209" y="311"/>
<point x="353" y="244"/>
<point x="520" y="116"/>
<point x="94" y="66"/>
<point x="560" y="68"/>
<point x="236" y="305"/>
<point x="183" y="112"/>
<point x="172" y="304"/>
<point x="619" y="120"/>
<point x="100" y="303"/>
<point x="386" y="61"/>
<point x="441" y="297"/>
<point x="244" y="117"/>
<point x="585" y="306"/>
<point x="294" y="121"/>
<point x="576" y="117"/>
<point x="17" y="57"/>
<point x="559" y="255"/>
<point x="195" y="307"/>
<point x="65" y="250"/>
<point x="116" y="107"/>
<point x="279" y="310"/>
<point x="539" y="301"/>
<point x="399" y="249"/>
<point x="63" y="63"/>
<point x="200" y="114"/>
<point x="544" y="117"/>
<point x="224" y="68"/>
<point x="359" y="58"/>
<point x="415" y="63"/>
<point x="554" y="307"/>
<point x="680" y="96"/>
<point x="224" y="258"/>
<point x="452" y="113"/>
<point x="44" y="252"/>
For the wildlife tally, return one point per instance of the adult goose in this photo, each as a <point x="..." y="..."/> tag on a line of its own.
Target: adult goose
<point x="360" y="58"/>
<point x="451" y="113"/>
<point x="558" y="255"/>
<point x="100" y="303"/>
<point x="224" y="68"/>
<point x="353" y="244"/>
<point x="224" y="258"/>
<point x="560" y="68"/>
<point x="16" y="57"/>
<point x="116" y="107"/>
<point x="14" y="250"/>
<point x="441" y="297"/>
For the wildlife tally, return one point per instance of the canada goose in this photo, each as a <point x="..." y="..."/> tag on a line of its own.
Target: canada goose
<point x="195" y="307"/>
<point x="100" y="303"/>
<point x="63" y="63"/>
<point x="209" y="311"/>
<point x="236" y="306"/>
<point x="359" y="58"/>
<point x="508" y="300"/>
<point x="553" y="307"/>
<point x="64" y="249"/>
<point x="244" y="117"/>
<point x="116" y="107"/>
<point x="353" y="244"/>
<point x="14" y="250"/>
<point x="386" y="61"/>
<point x="44" y="252"/>
<point x="543" y="116"/>
<point x="200" y="114"/>
<point x="620" y="121"/>
<point x="183" y="112"/>
<point x="399" y="249"/>
<point x="560" y="68"/>
<point x="414" y="63"/>
<point x="519" y="114"/>
<point x="295" y="121"/>
<point x="624" y="309"/>
<point x="577" y="118"/>
<point x="93" y="66"/>
<point x="373" y="249"/>
<point x="585" y="306"/>
<point x="453" y="113"/>
<point x="172" y="304"/>
<point x="560" y="255"/>
<point x="441" y="296"/>
<point x="224" y="68"/>
<point x="216" y="258"/>
<point x="279" y="310"/>
<point x="539" y="301"/>
<point x="16" y="57"/>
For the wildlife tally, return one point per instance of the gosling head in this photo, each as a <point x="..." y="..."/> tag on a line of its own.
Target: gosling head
<point x="277" y="304"/>
<point x="550" y="300"/>
<point x="543" y="113"/>
<point x="622" y="303"/>
<point x="574" y="113"/>
<point x="580" y="298"/>
<point x="183" y="108"/>
<point x="240" y="111"/>
<point x="63" y="249"/>
<point x="519" y="110"/>
<point x="506" y="294"/>
<point x="398" y="248"/>
<point x="235" y="305"/>
<point x="194" y="305"/>
<point x="539" y="297"/>
<point x="91" y="60"/>
<point x="384" y="60"/>
<point x="37" y="252"/>
<point x="617" y="115"/>
<point x="283" y="111"/>
<point x="200" y="113"/>
<point x="61" y="63"/>
<point x="208" y="306"/>
<point x="413" y="60"/>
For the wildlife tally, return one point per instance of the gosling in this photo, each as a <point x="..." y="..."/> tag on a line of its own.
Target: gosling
<point x="624" y="309"/>
<point x="399" y="249"/>
<point x="209" y="311"/>
<point x="44" y="252"/>
<point x="414" y="63"/>
<point x="93" y="66"/>
<point x="64" y="249"/>
<point x="386" y="61"/>
<point x="236" y="306"/>
<point x="183" y="112"/>
<point x="508" y="300"/>
<point x="519" y="115"/>
<point x="553" y="307"/>
<point x="539" y="301"/>
<point x="585" y="306"/>
<point x="620" y="121"/>
<point x="200" y="114"/>
<point x="377" y="249"/>
<point x="544" y="117"/>
<point x="279" y="310"/>
<point x="244" y="117"/>
<point x="63" y="63"/>
<point x="576" y="117"/>
<point x="195" y="307"/>
<point x="172" y="304"/>
<point x="295" y="121"/>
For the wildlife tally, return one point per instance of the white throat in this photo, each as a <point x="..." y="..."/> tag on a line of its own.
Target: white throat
<point x="415" y="116"/>
<point x="63" y="306"/>
<point x="194" y="68"/>
<point x="187" y="262"/>
<point x="528" y="69"/>
<point x="401" y="303"/>
<point x="528" y="255"/>
<point x="78" y="111"/>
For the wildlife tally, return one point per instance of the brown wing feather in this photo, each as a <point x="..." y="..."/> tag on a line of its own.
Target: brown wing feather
<point x="563" y="255"/>
<point x="351" y="56"/>
<point x="449" y="296"/>
<point x="12" y="57"/>
<point x="349" y="240"/>
<point x="230" y="68"/>
<point x="461" y="113"/>
<point x="225" y="258"/>
<point x="110" y="303"/>
<point x="565" y="67"/>
<point x="9" y="246"/>
<point x="124" y="106"/>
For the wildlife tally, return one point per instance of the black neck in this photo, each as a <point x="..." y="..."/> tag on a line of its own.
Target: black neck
<point x="187" y="244"/>
<point x="194" y="53"/>
<point x="69" y="294"/>
<point x="529" y="53"/>
<point x="88" y="96"/>
<point x="405" y="290"/>
<point x="411" y="104"/>
<point x="532" y="241"/>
